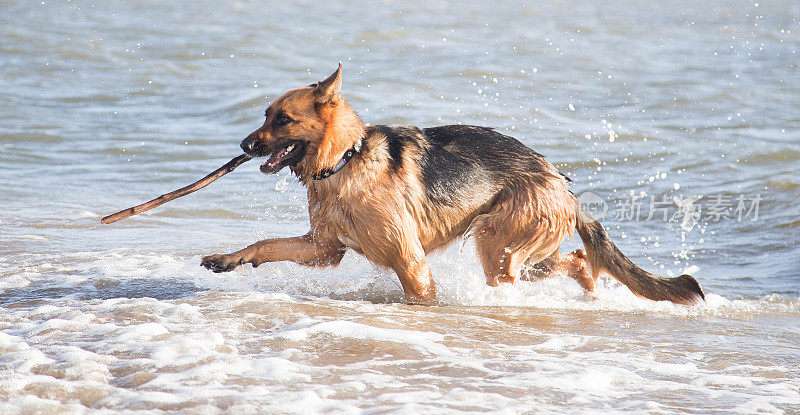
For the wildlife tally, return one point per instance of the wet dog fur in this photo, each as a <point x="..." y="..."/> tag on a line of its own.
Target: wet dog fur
<point x="407" y="191"/>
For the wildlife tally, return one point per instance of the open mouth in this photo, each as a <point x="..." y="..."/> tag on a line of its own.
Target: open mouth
<point x="286" y="155"/>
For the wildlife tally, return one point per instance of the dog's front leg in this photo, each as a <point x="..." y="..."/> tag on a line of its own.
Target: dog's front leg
<point x="301" y="249"/>
<point x="414" y="274"/>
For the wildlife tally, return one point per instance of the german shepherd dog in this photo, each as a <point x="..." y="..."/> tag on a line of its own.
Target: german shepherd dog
<point x="396" y="193"/>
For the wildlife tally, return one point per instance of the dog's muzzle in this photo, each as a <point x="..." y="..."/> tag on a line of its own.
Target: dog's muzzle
<point x="253" y="147"/>
<point x="282" y="154"/>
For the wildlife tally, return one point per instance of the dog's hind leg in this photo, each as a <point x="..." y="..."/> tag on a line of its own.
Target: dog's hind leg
<point x="500" y="263"/>
<point x="573" y="265"/>
<point x="526" y="223"/>
<point x="545" y="268"/>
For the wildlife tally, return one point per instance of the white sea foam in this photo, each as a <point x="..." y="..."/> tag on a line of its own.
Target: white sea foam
<point x="286" y="338"/>
<point x="459" y="278"/>
<point x="148" y="353"/>
<point x="460" y="281"/>
<point x="423" y="341"/>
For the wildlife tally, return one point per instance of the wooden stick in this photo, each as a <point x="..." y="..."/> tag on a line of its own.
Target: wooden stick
<point x="205" y="181"/>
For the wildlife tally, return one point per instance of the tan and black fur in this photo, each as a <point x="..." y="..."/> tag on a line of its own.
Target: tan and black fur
<point x="408" y="191"/>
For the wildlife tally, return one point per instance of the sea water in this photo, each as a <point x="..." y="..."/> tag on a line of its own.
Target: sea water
<point x="679" y="121"/>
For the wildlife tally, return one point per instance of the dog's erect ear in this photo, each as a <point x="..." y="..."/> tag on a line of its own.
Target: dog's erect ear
<point x="329" y="89"/>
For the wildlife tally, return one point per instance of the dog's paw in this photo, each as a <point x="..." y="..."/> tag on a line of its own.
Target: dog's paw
<point x="221" y="263"/>
<point x="578" y="268"/>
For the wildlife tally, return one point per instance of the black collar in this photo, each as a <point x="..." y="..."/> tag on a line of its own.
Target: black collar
<point x="324" y="174"/>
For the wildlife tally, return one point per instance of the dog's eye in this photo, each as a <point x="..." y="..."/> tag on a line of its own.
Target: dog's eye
<point x="281" y="120"/>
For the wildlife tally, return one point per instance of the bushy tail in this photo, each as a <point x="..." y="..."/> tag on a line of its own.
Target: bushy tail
<point x="603" y="255"/>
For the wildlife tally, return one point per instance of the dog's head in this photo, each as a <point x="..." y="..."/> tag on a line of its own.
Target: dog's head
<point x="307" y="129"/>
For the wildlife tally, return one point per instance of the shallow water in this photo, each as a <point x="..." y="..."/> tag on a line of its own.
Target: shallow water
<point x="108" y="105"/>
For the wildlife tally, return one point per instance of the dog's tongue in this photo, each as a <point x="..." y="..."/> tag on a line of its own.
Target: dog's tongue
<point x="275" y="157"/>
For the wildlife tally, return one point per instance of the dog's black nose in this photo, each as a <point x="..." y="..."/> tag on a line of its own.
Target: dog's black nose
<point x="252" y="146"/>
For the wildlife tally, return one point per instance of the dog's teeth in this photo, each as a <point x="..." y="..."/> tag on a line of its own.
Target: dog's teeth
<point x="290" y="148"/>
